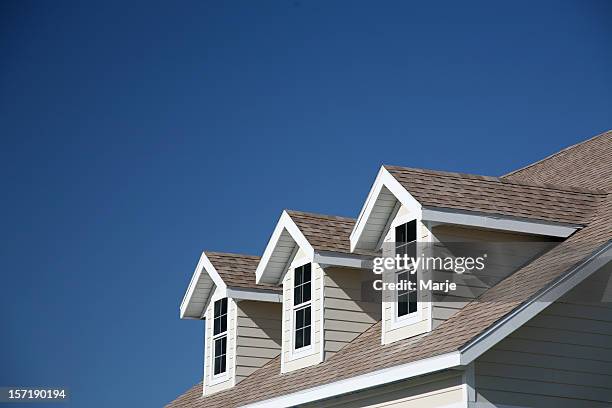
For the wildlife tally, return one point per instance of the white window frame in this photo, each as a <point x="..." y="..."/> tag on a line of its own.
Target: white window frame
<point x="305" y="350"/>
<point x="417" y="315"/>
<point x="220" y="377"/>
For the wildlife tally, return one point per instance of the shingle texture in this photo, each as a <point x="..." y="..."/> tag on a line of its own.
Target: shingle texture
<point x="587" y="164"/>
<point x="238" y="270"/>
<point x="324" y="232"/>
<point x="365" y="354"/>
<point x="494" y="195"/>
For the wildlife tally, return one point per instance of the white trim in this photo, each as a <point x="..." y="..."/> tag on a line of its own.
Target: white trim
<point x="463" y="357"/>
<point x="247" y="294"/>
<point x="294" y="353"/>
<point x="204" y="266"/>
<point x="383" y="179"/>
<point x="361" y="382"/>
<point x="284" y="223"/>
<point x="498" y="222"/>
<point x="527" y="311"/>
<point x="327" y="258"/>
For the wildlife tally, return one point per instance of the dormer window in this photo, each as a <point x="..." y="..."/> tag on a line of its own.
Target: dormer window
<point x="405" y="244"/>
<point x="302" y="306"/>
<point x="220" y="336"/>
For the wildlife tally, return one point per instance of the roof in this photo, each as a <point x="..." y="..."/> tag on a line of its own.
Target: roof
<point x="238" y="270"/>
<point x="586" y="164"/>
<point x="495" y="195"/>
<point x="366" y="354"/>
<point x="324" y="232"/>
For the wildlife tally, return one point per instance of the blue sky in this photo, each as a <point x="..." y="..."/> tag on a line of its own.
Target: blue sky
<point x="136" y="135"/>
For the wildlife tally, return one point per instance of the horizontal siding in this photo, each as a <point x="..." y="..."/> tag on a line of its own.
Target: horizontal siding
<point x="259" y="336"/>
<point x="503" y="258"/>
<point x="560" y="358"/>
<point x="432" y="391"/>
<point x="346" y="314"/>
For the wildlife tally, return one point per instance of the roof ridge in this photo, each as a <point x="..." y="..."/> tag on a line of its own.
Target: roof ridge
<point x="495" y="179"/>
<point x="558" y="153"/>
<point x="318" y="215"/>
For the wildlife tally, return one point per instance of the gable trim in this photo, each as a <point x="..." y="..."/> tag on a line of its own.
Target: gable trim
<point x="204" y="271"/>
<point x="285" y="223"/>
<point x="384" y="179"/>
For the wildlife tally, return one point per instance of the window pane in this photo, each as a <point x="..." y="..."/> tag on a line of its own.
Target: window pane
<point x="223" y="345"/>
<point x="299" y="319"/>
<point x="297" y="295"/>
<point x="297" y="276"/>
<point x="411" y="231"/>
<point x="223" y="323"/>
<point x="223" y="364"/>
<point x="307" y="336"/>
<point x="306" y="292"/>
<point x="217" y="347"/>
<point x="217" y="308"/>
<point x="402" y="305"/>
<point x="400" y="234"/>
<point x="224" y="306"/>
<point x="307" y="314"/>
<point x="412" y="305"/>
<point x="299" y="339"/>
<point x="306" y="269"/>
<point x="217" y="326"/>
<point x="217" y="365"/>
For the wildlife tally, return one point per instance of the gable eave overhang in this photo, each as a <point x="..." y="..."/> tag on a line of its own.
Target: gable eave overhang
<point x="280" y="250"/>
<point x="379" y="207"/>
<point x="203" y="282"/>
<point x="477" y="219"/>
<point x="458" y="359"/>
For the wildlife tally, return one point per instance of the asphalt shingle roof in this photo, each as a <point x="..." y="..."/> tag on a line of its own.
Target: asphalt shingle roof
<point x="534" y="199"/>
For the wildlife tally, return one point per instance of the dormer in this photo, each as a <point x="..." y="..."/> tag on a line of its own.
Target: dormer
<point x="242" y="318"/>
<point x="423" y="211"/>
<point x="325" y="296"/>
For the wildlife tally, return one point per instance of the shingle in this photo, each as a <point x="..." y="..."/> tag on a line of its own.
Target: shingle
<point x="586" y="164"/>
<point x="238" y="270"/>
<point x="521" y="193"/>
<point x="497" y="196"/>
<point x="324" y="232"/>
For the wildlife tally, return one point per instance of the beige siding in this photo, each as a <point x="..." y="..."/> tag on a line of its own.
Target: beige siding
<point x="226" y="381"/>
<point x="432" y="391"/>
<point x="291" y="360"/>
<point x="258" y="335"/>
<point x="347" y="311"/>
<point x="560" y="358"/>
<point x="510" y="252"/>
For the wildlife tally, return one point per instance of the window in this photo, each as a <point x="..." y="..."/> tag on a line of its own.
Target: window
<point x="405" y="244"/>
<point x="220" y="336"/>
<point x="302" y="290"/>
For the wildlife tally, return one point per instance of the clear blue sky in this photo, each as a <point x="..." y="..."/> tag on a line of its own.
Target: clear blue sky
<point x="136" y="135"/>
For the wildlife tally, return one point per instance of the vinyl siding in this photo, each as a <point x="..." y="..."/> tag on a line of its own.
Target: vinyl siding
<point x="510" y="253"/>
<point x="560" y="358"/>
<point x="258" y="335"/>
<point x="347" y="310"/>
<point x="444" y="389"/>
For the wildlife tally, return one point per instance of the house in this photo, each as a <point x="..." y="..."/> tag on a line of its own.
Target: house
<point x="532" y="330"/>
